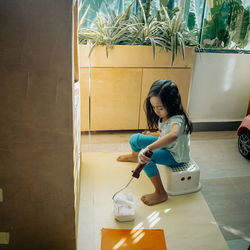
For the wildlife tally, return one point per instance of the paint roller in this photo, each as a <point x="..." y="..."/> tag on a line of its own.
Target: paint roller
<point x="136" y="172"/>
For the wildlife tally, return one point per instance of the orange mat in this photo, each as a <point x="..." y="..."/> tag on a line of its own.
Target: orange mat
<point x="133" y="239"/>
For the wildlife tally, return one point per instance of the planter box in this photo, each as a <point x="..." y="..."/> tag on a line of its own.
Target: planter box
<point x="119" y="84"/>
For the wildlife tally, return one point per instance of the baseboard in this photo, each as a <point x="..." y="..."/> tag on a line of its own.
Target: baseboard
<point x="197" y="127"/>
<point x="215" y="126"/>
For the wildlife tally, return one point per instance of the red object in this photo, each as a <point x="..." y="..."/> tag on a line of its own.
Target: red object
<point x="245" y="125"/>
<point x="137" y="171"/>
<point x="133" y="239"/>
<point x="244" y="137"/>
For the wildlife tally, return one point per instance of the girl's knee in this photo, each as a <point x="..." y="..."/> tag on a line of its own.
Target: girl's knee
<point x="134" y="137"/>
<point x="133" y="142"/>
<point x="139" y="141"/>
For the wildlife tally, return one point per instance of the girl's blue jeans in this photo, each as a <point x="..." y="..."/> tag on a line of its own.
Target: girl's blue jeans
<point x="160" y="156"/>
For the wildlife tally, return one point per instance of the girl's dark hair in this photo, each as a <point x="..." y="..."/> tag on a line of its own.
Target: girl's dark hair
<point x="171" y="100"/>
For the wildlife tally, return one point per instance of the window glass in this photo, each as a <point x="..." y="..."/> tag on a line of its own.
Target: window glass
<point x="220" y="24"/>
<point x="226" y="24"/>
<point x="102" y="7"/>
<point x="192" y="10"/>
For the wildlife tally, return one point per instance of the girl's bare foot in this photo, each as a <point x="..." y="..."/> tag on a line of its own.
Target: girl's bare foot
<point x="154" y="198"/>
<point x="132" y="157"/>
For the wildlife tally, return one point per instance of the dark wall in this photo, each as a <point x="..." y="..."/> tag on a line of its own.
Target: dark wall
<point x="36" y="139"/>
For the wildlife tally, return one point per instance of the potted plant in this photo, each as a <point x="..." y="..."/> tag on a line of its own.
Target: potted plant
<point x="166" y="29"/>
<point x="158" y="48"/>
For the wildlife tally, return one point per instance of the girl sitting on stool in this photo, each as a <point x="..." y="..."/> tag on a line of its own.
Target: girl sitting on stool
<point x="171" y="146"/>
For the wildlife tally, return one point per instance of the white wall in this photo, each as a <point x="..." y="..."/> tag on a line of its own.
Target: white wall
<point x="220" y="88"/>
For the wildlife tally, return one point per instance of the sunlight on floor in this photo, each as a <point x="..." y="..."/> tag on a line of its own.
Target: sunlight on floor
<point x="174" y="216"/>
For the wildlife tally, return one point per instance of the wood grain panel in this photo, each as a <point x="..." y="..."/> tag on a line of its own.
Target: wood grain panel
<point x="181" y="77"/>
<point x="142" y="56"/>
<point x="115" y="98"/>
<point x="84" y="88"/>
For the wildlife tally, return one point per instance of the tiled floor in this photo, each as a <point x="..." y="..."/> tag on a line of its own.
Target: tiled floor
<point x="225" y="177"/>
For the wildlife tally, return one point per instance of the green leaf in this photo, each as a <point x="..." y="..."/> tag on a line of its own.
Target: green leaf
<point x="92" y="49"/>
<point x="166" y="16"/>
<point x="107" y="52"/>
<point x="153" y="46"/>
<point x="83" y="17"/>
<point x="173" y="45"/>
<point x="182" y="46"/>
<point x="143" y="12"/>
<point x="126" y="14"/>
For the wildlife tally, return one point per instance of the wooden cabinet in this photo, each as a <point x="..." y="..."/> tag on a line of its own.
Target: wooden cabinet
<point x="119" y="84"/>
<point x="84" y="89"/>
<point x="115" y="98"/>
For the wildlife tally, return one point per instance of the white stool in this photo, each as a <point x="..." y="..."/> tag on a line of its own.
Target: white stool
<point x="181" y="179"/>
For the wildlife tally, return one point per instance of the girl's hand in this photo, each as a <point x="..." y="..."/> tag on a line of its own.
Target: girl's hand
<point x="142" y="157"/>
<point x="147" y="132"/>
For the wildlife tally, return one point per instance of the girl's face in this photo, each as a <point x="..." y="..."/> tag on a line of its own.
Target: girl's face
<point x="158" y="107"/>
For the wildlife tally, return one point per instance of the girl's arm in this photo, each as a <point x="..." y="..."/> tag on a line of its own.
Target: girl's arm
<point x="166" y="139"/>
<point x="161" y="142"/>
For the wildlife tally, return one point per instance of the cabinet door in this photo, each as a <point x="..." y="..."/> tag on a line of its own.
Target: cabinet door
<point x="84" y="89"/>
<point x="181" y="77"/>
<point x="115" y="98"/>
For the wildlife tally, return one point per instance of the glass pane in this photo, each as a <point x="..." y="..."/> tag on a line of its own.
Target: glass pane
<point x="192" y="12"/>
<point x="102" y="7"/>
<point x="226" y="24"/>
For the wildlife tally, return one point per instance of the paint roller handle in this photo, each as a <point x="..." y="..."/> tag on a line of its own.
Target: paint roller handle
<point x="137" y="171"/>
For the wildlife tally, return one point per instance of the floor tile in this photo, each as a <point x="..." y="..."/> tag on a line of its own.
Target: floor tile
<point x="225" y="176"/>
<point x="238" y="244"/>
<point x="229" y="201"/>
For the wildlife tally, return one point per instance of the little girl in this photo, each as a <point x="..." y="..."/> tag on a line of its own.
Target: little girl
<point x="172" y="146"/>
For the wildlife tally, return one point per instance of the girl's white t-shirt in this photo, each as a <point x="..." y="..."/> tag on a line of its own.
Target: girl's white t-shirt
<point x="180" y="148"/>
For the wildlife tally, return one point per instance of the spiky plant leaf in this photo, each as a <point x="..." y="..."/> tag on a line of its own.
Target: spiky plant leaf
<point x="173" y="44"/>
<point x="83" y="17"/>
<point x="178" y="23"/>
<point x="143" y="12"/>
<point x="127" y="12"/>
<point x="153" y="46"/>
<point x="158" y="16"/>
<point x="182" y="45"/>
<point x="92" y="49"/>
<point x="166" y="16"/>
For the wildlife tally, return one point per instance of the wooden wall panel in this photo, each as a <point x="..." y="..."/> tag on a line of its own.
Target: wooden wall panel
<point x="115" y="98"/>
<point x="84" y="88"/>
<point x="133" y="56"/>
